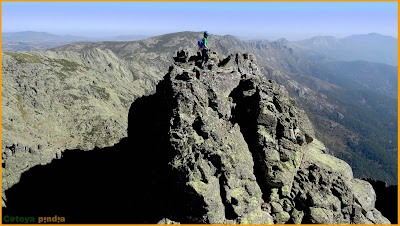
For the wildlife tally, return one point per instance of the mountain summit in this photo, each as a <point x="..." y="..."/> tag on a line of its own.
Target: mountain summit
<point x="220" y="146"/>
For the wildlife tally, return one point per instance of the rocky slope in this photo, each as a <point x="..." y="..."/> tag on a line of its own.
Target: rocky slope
<point x="56" y="101"/>
<point x="221" y="146"/>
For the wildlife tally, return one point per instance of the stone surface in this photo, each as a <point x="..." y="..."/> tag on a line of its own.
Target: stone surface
<point x="167" y="221"/>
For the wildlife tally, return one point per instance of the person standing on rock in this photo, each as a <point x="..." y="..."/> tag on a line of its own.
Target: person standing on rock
<point x="205" y="49"/>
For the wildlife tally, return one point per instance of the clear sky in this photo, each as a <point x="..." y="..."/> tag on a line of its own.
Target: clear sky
<point x="268" y="20"/>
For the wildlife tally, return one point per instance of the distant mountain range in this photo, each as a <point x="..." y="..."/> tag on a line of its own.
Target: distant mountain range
<point x="371" y="47"/>
<point x="31" y="40"/>
<point x="32" y="36"/>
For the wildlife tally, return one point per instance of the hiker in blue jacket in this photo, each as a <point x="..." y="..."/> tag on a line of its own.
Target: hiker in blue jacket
<point x="205" y="50"/>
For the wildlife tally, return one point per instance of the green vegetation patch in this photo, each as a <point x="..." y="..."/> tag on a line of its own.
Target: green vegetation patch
<point x="24" y="113"/>
<point x="75" y="97"/>
<point x="66" y="64"/>
<point x="7" y="127"/>
<point x="98" y="133"/>
<point x="101" y="91"/>
<point x="68" y="87"/>
<point x="59" y="74"/>
<point x="24" y="58"/>
<point x="125" y="102"/>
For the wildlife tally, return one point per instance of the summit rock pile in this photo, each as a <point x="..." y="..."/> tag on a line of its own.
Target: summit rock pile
<point x="241" y="152"/>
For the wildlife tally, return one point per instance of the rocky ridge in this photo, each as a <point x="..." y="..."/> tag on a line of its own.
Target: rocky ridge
<point x="241" y="152"/>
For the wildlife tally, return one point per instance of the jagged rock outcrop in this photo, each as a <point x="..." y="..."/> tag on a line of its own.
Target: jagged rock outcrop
<point x="210" y="153"/>
<point x="243" y="153"/>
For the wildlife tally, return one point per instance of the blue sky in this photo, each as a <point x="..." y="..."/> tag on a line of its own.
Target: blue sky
<point x="270" y="20"/>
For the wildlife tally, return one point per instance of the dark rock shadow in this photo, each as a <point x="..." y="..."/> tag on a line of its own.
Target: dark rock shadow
<point x="127" y="183"/>
<point x="245" y="114"/>
<point x="386" y="199"/>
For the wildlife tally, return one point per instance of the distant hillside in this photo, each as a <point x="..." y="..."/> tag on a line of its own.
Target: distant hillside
<point x="31" y="40"/>
<point x="381" y="78"/>
<point x="371" y="47"/>
<point x="128" y="38"/>
<point x="32" y="36"/>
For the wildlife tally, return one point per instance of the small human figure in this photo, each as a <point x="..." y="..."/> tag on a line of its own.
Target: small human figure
<point x="205" y="50"/>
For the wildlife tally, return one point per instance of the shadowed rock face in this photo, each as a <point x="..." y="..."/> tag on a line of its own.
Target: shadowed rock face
<point x="386" y="199"/>
<point x="217" y="146"/>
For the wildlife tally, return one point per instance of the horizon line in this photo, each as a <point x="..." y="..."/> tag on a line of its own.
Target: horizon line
<point x="247" y="37"/>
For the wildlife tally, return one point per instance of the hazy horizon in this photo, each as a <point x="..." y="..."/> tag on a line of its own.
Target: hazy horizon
<point x="244" y="38"/>
<point x="245" y="20"/>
